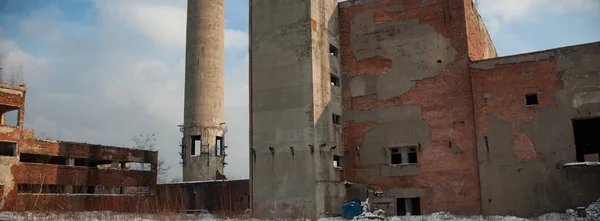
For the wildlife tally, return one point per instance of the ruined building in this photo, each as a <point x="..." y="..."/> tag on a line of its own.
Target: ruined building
<point x="40" y="174"/>
<point x="203" y="142"/>
<point x="406" y="102"/>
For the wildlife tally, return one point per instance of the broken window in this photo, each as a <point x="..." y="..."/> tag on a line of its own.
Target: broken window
<point x="587" y="142"/>
<point x="45" y="159"/>
<point x="7" y="148"/>
<point x="403" y="155"/>
<point x="531" y="99"/>
<point x="408" y="206"/>
<point x="196" y="145"/>
<point x="333" y="50"/>
<point x="335" y="80"/>
<point x="337" y="119"/>
<point x="40" y="188"/>
<point x="219" y="146"/>
<point x="10" y="115"/>
<point x="337" y="161"/>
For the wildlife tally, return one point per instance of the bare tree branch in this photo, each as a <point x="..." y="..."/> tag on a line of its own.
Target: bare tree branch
<point x="147" y="142"/>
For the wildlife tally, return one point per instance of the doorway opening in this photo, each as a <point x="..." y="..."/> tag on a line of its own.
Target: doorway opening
<point x="587" y="139"/>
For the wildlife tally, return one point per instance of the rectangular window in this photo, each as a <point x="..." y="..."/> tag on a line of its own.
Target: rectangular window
<point x="403" y="155"/>
<point x="196" y="145"/>
<point x="337" y="119"/>
<point x="44" y="159"/>
<point x="337" y="161"/>
<point x="396" y="156"/>
<point x="531" y="100"/>
<point x="333" y="50"/>
<point x="219" y="147"/>
<point x="587" y="142"/>
<point x="335" y="80"/>
<point x="408" y="206"/>
<point x="10" y="115"/>
<point x="8" y="148"/>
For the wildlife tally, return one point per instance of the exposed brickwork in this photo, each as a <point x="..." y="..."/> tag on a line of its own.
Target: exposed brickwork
<point x="480" y="43"/>
<point x="451" y="179"/>
<point x="501" y="92"/>
<point x="14" y="173"/>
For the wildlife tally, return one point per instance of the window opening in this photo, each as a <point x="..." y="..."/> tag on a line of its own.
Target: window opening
<point x="333" y="50"/>
<point x="408" y="206"/>
<point x="335" y="80"/>
<point x="196" y="145"/>
<point x="8" y="148"/>
<point x="219" y="146"/>
<point x="531" y="100"/>
<point x="403" y="155"/>
<point x="10" y="115"/>
<point x="44" y="159"/>
<point x="337" y="161"/>
<point x="337" y="119"/>
<point x="587" y="141"/>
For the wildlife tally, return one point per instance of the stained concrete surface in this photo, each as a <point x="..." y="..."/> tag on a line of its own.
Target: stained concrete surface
<point x="533" y="188"/>
<point x="204" y="88"/>
<point x="416" y="50"/>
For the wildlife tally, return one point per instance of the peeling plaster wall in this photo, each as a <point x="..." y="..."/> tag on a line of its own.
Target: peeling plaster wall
<point x="521" y="149"/>
<point x="406" y="82"/>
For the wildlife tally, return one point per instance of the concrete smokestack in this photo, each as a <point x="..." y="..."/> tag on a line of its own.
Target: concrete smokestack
<point x="203" y="128"/>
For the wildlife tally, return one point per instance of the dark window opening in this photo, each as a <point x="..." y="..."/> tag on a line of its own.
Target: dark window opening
<point x="39" y="188"/>
<point x="333" y="50"/>
<point x="79" y="162"/>
<point x="91" y="189"/>
<point x="45" y="159"/>
<point x="587" y="141"/>
<point x="403" y="155"/>
<point x="219" y="146"/>
<point x="335" y="80"/>
<point x="196" y="145"/>
<point x="412" y="155"/>
<point x="337" y="119"/>
<point x="8" y="148"/>
<point x="10" y="115"/>
<point x="408" y="206"/>
<point x="337" y="161"/>
<point x="396" y="156"/>
<point x="531" y="99"/>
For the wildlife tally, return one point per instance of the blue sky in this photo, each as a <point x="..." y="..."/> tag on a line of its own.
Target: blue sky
<point x="102" y="71"/>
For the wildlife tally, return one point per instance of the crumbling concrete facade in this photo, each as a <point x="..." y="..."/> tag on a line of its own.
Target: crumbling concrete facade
<point x="203" y="142"/>
<point x="296" y="150"/>
<point x="67" y="176"/>
<point x="431" y="120"/>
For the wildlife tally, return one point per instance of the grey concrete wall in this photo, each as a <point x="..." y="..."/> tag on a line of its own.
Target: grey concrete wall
<point x="292" y="174"/>
<point x="529" y="188"/>
<point x="204" y="94"/>
<point x="283" y="182"/>
<point x="330" y="192"/>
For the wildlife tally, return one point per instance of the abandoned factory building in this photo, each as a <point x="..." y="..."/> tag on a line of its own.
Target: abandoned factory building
<point x="406" y="102"/>
<point x="40" y="174"/>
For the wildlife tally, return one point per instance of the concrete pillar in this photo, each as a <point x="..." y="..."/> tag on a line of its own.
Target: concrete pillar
<point x="204" y="95"/>
<point x="70" y="162"/>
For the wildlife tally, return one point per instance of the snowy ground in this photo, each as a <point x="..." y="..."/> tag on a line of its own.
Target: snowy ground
<point x="98" y="216"/>
<point x="592" y="211"/>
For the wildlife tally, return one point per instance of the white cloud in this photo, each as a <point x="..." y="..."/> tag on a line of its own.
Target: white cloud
<point x="513" y="10"/>
<point x="121" y="77"/>
<point x="164" y="22"/>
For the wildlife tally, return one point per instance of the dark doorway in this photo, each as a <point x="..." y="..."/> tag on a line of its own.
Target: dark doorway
<point x="587" y="138"/>
<point x="408" y="206"/>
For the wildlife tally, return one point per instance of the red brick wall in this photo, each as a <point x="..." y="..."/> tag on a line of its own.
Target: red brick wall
<point x="451" y="179"/>
<point x="506" y="86"/>
<point x="480" y="42"/>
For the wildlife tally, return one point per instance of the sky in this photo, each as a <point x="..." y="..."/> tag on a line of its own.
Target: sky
<point x="103" y="71"/>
